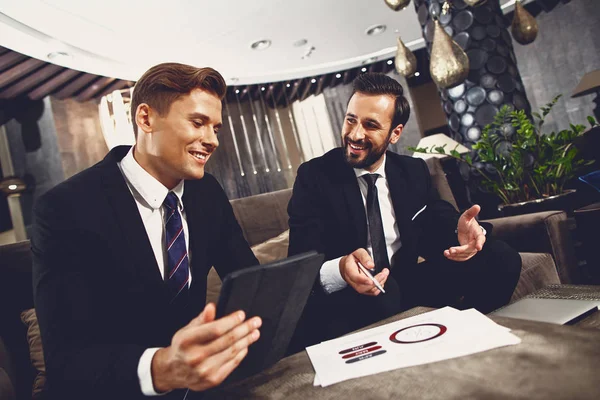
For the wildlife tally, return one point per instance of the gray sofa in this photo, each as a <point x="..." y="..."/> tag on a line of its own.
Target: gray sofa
<point x="542" y="239"/>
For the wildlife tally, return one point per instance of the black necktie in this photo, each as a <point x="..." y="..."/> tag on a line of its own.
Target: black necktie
<point x="380" y="256"/>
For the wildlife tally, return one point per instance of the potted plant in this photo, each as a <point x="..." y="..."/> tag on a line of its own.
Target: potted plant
<point x="520" y="164"/>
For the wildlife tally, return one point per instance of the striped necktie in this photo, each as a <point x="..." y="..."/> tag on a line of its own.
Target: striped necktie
<point x="177" y="272"/>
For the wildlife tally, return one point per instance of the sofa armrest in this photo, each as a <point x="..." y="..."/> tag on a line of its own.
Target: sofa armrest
<point x="543" y="232"/>
<point x="7" y="378"/>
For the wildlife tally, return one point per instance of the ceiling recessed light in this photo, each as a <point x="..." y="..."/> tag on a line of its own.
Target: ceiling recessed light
<point x="300" y="43"/>
<point x="338" y="76"/>
<point x="262" y="88"/>
<point x="59" y="56"/>
<point x="237" y="91"/>
<point x="313" y="80"/>
<point x="375" y="30"/>
<point x="390" y="62"/>
<point x="364" y="69"/>
<point x="288" y="85"/>
<point x="417" y="73"/>
<point x="12" y="187"/>
<point x="261" y="44"/>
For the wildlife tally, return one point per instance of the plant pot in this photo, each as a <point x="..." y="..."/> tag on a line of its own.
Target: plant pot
<point x="564" y="202"/>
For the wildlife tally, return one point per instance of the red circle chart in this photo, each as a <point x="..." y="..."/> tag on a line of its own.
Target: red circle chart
<point x="418" y="333"/>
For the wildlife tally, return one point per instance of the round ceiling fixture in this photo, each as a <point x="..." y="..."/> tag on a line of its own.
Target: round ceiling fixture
<point x="338" y="76"/>
<point x="375" y="30"/>
<point x="58" y="56"/>
<point x="12" y="185"/>
<point x="261" y="44"/>
<point x="300" y="43"/>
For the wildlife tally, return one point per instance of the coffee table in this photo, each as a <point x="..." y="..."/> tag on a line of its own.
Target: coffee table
<point x="553" y="361"/>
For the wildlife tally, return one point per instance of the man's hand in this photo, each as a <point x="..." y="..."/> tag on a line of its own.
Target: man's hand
<point x="470" y="236"/>
<point x="353" y="275"/>
<point x="204" y="352"/>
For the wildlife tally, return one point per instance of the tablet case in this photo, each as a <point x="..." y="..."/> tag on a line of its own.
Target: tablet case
<point x="276" y="292"/>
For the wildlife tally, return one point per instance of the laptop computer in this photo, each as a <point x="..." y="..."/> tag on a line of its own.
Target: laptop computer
<point x="554" y="311"/>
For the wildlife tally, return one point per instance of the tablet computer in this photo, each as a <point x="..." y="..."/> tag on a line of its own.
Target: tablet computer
<point x="276" y="292"/>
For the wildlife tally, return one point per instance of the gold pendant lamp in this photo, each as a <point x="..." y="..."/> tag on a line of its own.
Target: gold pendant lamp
<point x="524" y="27"/>
<point x="405" y="61"/>
<point x="397" y="5"/>
<point x="449" y="65"/>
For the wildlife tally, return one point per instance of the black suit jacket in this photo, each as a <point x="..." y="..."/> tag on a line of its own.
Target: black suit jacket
<point x="327" y="214"/>
<point x="99" y="295"/>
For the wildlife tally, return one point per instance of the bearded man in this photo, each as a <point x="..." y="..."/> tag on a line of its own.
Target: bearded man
<point x="363" y="204"/>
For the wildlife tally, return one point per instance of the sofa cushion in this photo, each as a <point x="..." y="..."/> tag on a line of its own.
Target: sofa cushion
<point x="262" y="216"/>
<point x="16" y="295"/>
<point x="7" y="391"/>
<point x="36" y="352"/>
<point x="538" y="271"/>
<point x="271" y="250"/>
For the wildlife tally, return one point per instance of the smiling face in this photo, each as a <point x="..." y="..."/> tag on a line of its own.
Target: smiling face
<point x="177" y="145"/>
<point x="367" y="130"/>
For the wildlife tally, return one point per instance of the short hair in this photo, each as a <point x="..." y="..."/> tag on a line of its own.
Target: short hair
<point x="380" y="84"/>
<point x="163" y="84"/>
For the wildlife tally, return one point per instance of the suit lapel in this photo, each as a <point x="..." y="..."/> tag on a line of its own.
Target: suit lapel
<point x="193" y="206"/>
<point x="129" y="220"/>
<point x="354" y="202"/>
<point x="400" y="198"/>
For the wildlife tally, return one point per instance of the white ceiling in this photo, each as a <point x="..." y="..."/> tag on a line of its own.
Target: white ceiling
<point x="122" y="38"/>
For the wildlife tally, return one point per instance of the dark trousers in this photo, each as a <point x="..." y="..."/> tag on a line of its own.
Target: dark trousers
<point x="485" y="282"/>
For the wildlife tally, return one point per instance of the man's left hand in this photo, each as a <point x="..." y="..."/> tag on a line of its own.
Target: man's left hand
<point x="470" y="236"/>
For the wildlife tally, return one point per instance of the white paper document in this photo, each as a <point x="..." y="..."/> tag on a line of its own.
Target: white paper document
<point x="434" y="336"/>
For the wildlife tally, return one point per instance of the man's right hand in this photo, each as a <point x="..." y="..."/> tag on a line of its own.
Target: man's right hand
<point x="354" y="276"/>
<point x="204" y="352"/>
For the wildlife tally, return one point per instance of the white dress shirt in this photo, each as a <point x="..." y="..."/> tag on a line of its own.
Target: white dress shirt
<point x="330" y="276"/>
<point x="149" y="195"/>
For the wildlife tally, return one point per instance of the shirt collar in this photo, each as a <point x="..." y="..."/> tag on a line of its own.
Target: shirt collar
<point x="148" y="187"/>
<point x="379" y="171"/>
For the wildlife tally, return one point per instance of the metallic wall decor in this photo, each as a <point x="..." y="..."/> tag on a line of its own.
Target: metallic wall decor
<point x="245" y="130"/>
<point x="258" y="133"/>
<point x="397" y="5"/>
<point x="293" y="124"/>
<point x="524" y="27"/>
<point x="405" y="61"/>
<point x="449" y="65"/>
<point x="235" y="143"/>
<point x="269" y="129"/>
<point x="493" y="79"/>
<point x="281" y="134"/>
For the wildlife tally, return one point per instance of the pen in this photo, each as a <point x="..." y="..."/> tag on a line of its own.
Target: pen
<point x="366" y="271"/>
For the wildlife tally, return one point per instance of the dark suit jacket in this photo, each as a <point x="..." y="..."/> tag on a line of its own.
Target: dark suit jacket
<point x="99" y="295"/>
<point x="327" y="214"/>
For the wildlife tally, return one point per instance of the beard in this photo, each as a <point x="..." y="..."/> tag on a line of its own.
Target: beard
<point x="372" y="156"/>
